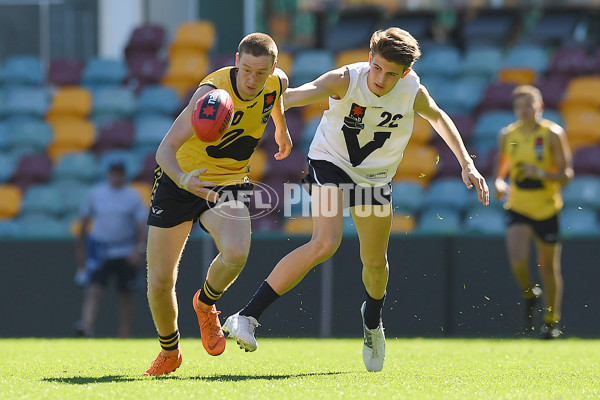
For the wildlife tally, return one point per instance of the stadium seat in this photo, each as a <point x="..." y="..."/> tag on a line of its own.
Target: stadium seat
<point x="554" y="116"/>
<point x="44" y="227"/>
<point x="145" y="71"/>
<point x="22" y="70"/>
<point x="554" y="27"/>
<point x="494" y="27"/>
<point x="581" y="127"/>
<point x="71" y="135"/>
<point x="448" y="165"/>
<point x="527" y="56"/>
<point x="65" y="72"/>
<point x="79" y="166"/>
<point x="464" y="123"/>
<point x="582" y="91"/>
<point x="35" y="135"/>
<point x="285" y="62"/>
<point x="259" y="164"/>
<point x="553" y="89"/>
<point x="583" y="191"/>
<point x="407" y="196"/>
<point x="497" y="96"/>
<point x="9" y="229"/>
<point x="310" y="64"/>
<point x="75" y="101"/>
<point x="43" y="199"/>
<point x="586" y="160"/>
<point x="487" y="128"/>
<point x="353" y="30"/>
<point x="10" y="206"/>
<point x="8" y="165"/>
<point x="417" y="23"/>
<point x="112" y="103"/>
<point x="100" y="72"/>
<point x="569" y="60"/>
<point x="460" y="96"/>
<point x="517" y="76"/>
<point x="438" y="221"/>
<point x="115" y="135"/>
<point x="441" y="61"/>
<point x="484" y="220"/>
<point x="150" y="130"/>
<point x="351" y="56"/>
<point x="145" y="40"/>
<point x="185" y="72"/>
<point x="482" y="61"/>
<point x="579" y="222"/>
<point x="422" y="131"/>
<point x="314" y="110"/>
<point x="157" y="100"/>
<point x="26" y="101"/>
<point x="198" y="36"/>
<point x="132" y="162"/>
<point x="403" y="224"/>
<point x="144" y="189"/>
<point x="448" y="193"/>
<point x="298" y="226"/>
<point x="149" y="165"/>
<point x="32" y="169"/>
<point x="418" y="164"/>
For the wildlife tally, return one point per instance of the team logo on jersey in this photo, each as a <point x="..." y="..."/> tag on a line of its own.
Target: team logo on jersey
<point x="539" y="148"/>
<point x="269" y="102"/>
<point x="355" y="117"/>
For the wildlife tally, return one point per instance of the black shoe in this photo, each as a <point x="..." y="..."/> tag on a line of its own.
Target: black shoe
<point x="550" y="331"/>
<point x="80" y="331"/>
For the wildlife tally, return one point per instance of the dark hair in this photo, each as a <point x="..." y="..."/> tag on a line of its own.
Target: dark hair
<point x="395" y="45"/>
<point x="258" y="44"/>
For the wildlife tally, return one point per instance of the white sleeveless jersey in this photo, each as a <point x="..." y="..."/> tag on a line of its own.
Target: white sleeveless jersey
<point x="363" y="134"/>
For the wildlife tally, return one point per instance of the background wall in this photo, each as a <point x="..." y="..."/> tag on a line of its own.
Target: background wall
<point x="438" y="287"/>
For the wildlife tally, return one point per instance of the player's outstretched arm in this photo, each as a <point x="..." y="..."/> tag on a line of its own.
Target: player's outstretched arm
<point x="333" y="83"/>
<point x="180" y="132"/>
<point x="282" y="134"/>
<point x="443" y="125"/>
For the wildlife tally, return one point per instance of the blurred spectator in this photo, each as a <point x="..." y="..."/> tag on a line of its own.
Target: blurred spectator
<point x="112" y="242"/>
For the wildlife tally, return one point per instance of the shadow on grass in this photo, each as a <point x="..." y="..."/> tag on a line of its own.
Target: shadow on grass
<point x="86" y="380"/>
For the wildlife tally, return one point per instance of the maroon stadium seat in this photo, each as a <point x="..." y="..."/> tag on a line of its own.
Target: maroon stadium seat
<point x="586" y="161"/>
<point x="32" y="169"/>
<point x="497" y="96"/>
<point x="63" y="72"/>
<point x="115" y="135"/>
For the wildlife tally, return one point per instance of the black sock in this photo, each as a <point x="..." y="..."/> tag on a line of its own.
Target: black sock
<point x="208" y="295"/>
<point x="169" y="342"/>
<point x="373" y="311"/>
<point x="263" y="298"/>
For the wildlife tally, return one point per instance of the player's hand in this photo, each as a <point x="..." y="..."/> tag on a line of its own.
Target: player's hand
<point x="501" y="188"/>
<point x="193" y="184"/>
<point x="284" y="140"/>
<point x="472" y="178"/>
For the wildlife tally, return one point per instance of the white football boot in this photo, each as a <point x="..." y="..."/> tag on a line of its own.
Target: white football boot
<point x="374" y="345"/>
<point x="242" y="328"/>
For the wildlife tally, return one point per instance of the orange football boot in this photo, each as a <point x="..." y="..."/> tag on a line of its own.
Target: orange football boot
<point x="164" y="365"/>
<point x="212" y="335"/>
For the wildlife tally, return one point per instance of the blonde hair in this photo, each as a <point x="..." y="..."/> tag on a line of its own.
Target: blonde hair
<point x="258" y="44"/>
<point x="395" y="45"/>
<point x="528" y="90"/>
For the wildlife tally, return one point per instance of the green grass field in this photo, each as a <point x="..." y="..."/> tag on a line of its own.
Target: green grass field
<point x="303" y="369"/>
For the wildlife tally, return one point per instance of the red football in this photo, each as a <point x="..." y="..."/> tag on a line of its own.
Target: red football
<point x="212" y="115"/>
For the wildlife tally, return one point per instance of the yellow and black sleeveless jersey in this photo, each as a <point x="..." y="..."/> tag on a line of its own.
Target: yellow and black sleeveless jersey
<point x="227" y="159"/>
<point x="535" y="198"/>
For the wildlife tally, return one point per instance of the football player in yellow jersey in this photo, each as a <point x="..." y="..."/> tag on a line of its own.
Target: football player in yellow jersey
<point x="190" y="176"/>
<point x="534" y="154"/>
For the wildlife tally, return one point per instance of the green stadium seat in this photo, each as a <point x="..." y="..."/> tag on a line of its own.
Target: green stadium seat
<point x="579" y="222"/>
<point x="447" y="193"/>
<point x="438" y="220"/>
<point x="485" y="220"/>
<point x="407" y="196"/>
<point x="43" y="199"/>
<point x="77" y="166"/>
<point x="23" y="70"/>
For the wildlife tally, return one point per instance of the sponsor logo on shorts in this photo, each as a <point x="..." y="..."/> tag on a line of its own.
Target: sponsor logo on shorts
<point x="155" y="210"/>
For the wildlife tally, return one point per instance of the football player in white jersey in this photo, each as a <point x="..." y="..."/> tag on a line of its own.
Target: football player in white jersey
<point x="354" y="154"/>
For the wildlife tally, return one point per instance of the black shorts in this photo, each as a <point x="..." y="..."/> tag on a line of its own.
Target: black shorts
<point x="546" y="229"/>
<point x="171" y="205"/>
<point x="127" y="274"/>
<point x="321" y="172"/>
